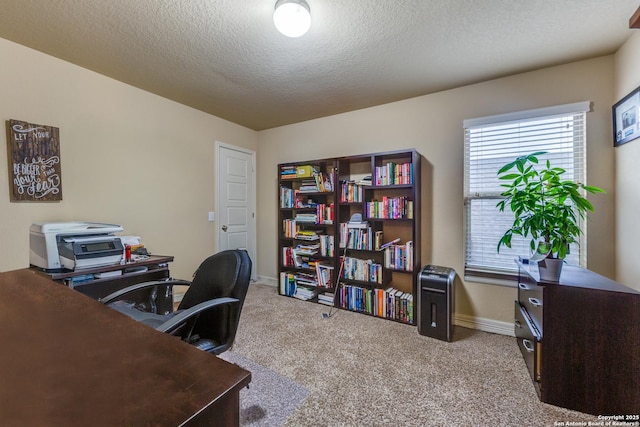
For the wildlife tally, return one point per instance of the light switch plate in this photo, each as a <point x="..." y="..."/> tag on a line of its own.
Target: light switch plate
<point x="212" y="216"/>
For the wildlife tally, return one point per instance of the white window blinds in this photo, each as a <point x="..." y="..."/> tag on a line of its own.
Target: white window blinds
<point x="492" y="142"/>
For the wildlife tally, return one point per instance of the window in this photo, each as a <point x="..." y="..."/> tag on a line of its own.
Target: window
<point x="492" y="142"/>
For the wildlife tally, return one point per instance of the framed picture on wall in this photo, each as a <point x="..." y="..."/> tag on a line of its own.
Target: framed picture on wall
<point x="626" y="118"/>
<point x="34" y="162"/>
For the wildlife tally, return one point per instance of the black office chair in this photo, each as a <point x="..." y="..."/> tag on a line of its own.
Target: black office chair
<point x="209" y="312"/>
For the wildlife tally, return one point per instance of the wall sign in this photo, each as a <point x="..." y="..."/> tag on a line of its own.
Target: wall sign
<point x="34" y="162"/>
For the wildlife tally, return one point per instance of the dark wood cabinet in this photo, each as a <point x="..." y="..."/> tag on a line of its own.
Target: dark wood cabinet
<point x="580" y="338"/>
<point x="382" y="190"/>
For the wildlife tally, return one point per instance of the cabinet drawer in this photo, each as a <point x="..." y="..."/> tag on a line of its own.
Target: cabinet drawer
<point x="530" y="297"/>
<point x="528" y="341"/>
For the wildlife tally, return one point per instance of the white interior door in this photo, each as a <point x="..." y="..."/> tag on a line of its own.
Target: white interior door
<point x="236" y="200"/>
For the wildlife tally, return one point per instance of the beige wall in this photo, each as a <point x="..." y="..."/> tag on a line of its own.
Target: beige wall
<point x="137" y="159"/>
<point x="627" y="78"/>
<point x="433" y="125"/>
<point x="128" y="157"/>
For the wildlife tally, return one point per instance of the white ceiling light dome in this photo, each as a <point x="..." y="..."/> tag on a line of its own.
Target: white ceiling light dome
<point x="292" y="17"/>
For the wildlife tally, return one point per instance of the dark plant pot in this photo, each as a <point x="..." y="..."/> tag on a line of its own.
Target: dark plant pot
<point x="550" y="269"/>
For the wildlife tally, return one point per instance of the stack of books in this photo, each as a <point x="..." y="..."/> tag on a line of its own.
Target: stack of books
<point x="307" y="217"/>
<point x="325" y="298"/>
<point x="304" y="293"/>
<point x="287" y="172"/>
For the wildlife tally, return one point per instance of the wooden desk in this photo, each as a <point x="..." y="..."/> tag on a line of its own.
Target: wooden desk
<point x="67" y="360"/>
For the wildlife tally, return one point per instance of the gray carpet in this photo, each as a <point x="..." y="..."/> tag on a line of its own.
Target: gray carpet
<point x="270" y="398"/>
<point x="364" y="371"/>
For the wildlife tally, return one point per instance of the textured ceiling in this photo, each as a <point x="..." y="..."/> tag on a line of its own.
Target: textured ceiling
<point x="226" y="58"/>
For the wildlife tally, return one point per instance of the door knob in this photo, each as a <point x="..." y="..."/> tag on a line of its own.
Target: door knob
<point x="224" y="228"/>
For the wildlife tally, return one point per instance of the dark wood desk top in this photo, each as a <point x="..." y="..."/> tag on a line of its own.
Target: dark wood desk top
<point x="67" y="360"/>
<point x="65" y="274"/>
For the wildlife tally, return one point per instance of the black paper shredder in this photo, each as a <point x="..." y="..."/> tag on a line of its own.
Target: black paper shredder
<point x="435" y="302"/>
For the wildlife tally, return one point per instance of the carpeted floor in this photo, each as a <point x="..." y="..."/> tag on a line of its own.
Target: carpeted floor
<point x="270" y="398"/>
<point x="363" y="371"/>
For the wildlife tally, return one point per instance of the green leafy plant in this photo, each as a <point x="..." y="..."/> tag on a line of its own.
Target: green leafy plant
<point x="546" y="207"/>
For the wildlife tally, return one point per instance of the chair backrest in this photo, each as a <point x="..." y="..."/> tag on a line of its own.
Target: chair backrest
<point x="224" y="274"/>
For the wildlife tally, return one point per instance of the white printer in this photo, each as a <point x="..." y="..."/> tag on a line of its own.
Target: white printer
<point x="74" y="245"/>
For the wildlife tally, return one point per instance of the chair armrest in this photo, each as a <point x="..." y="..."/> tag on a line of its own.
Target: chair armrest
<point x="138" y="286"/>
<point x="181" y="317"/>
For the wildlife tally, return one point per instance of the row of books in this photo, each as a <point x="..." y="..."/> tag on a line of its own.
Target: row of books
<point x="305" y="255"/>
<point x="364" y="270"/>
<point x="362" y="239"/>
<point x="292" y="285"/>
<point x="288" y="197"/>
<point x="288" y="172"/>
<point x="390" y="208"/>
<point x="287" y="284"/>
<point x="299" y="258"/>
<point x="394" y="174"/>
<point x="323" y="215"/>
<point x="399" y="257"/>
<point x="351" y="192"/>
<point x="324" y="275"/>
<point x="308" y="285"/>
<point x="387" y="303"/>
<point x="327" y="245"/>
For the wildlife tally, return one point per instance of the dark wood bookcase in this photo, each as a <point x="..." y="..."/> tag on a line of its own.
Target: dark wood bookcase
<point x="350" y="207"/>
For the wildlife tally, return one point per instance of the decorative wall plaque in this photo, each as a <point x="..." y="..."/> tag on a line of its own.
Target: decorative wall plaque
<point x="34" y="162"/>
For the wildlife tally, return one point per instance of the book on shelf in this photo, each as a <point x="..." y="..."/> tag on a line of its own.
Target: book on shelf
<point x="325" y="298"/>
<point x="287" y="284"/>
<point x="289" y="228"/>
<point x="394" y="174"/>
<point x="299" y="260"/>
<point x="318" y="182"/>
<point x="377" y="240"/>
<point x="351" y="192"/>
<point x="307" y="235"/>
<point x="304" y="293"/>
<point x="399" y="257"/>
<point x="311" y="218"/>
<point x="356" y="238"/>
<point x="288" y="172"/>
<point x="327" y="245"/>
<point x="323" y="275"/>
<point x="288" y="197"/>
<point x="386" y="245"/>
<point x="306" y="279"/>
<point x="390" y="208"/>
<point x="356" y="221"/>
<point x="364" y="270"/>
<point x="387" y="303"/>
<point x="366" y="180"/>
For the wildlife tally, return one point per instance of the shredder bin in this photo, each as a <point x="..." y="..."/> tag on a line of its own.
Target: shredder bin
<point x="435" y="302"/>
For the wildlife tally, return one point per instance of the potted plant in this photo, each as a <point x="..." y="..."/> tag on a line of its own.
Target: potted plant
<point x="546" y="207"/>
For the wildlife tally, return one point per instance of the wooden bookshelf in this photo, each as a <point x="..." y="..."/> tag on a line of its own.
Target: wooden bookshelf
<point x="382" y="190"/>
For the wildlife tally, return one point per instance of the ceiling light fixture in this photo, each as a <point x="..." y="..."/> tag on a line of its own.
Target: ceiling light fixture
<point x="292" y="17"/>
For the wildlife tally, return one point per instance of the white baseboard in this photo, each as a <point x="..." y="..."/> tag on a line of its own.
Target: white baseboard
<point x="268" y="281"/>
<point x="471" y="322"/>
<point x="483" y="324"/>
